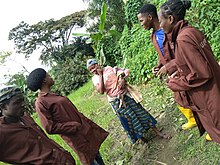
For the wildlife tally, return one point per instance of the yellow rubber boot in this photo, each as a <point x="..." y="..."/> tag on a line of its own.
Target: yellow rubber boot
<point x="189" y="115"/>
<point x="207" y="137"/>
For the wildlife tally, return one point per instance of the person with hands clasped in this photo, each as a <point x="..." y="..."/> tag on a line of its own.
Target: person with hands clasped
<point x="58" y="115"/>
<point x="133" y="117"/>
<point x="198" y="72"/>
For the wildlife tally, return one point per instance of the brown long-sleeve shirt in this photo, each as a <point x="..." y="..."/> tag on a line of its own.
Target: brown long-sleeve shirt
<point x="26" y="143"/>
<point x="58" y="115"/>
<point x="168" y="60"/>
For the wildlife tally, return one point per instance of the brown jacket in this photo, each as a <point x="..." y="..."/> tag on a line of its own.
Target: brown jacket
<point x="28" y="144"/>
<point x="59" y="116"/>
<point x="199" y="76"/>
<point x="168" y="60"/>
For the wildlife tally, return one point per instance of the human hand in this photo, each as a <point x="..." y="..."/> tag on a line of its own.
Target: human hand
<point x="155" y="70"/>
<point x="171" y="80"/>
<point x="174" y="75"/>
<point x="162" y="71"/>
<point x="121" y="75"/>
<point x="122" y="83"/>
<point x="99" y="69"/>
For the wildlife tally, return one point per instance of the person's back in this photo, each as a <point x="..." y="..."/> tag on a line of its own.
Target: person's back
<point x="83" y="135"/>
<point x="58" y="115"/>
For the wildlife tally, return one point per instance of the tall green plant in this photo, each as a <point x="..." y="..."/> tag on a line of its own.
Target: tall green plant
<point x="138" y="52"/>
<point x="105" y="43"/>
<point x="115" y="15"/>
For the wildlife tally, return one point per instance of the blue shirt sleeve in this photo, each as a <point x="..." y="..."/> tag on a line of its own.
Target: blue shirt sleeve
<point x="160" y="37"/>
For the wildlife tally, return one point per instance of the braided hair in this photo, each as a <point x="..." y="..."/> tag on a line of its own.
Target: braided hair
<point x="176" y="8"/>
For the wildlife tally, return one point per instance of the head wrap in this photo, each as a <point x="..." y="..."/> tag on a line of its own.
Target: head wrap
<point x="91" y="62"/>
<point x="35" y="79"/>
<point x="8" y="92"/>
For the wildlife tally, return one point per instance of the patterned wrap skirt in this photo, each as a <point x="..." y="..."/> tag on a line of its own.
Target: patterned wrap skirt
<point x="134" y="118"/>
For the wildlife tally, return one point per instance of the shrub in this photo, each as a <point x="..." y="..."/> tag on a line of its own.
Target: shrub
<point x="70" y="75"/>
<point x="138" y="53"/>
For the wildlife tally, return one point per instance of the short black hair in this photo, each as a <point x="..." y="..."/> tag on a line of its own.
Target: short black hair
<point x="35" y="79"/>
<point x="176" y="8"/>
<point x="149" y="9"/>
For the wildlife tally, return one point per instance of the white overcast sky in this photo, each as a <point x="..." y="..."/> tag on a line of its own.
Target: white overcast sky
<point x="12" y="12"/>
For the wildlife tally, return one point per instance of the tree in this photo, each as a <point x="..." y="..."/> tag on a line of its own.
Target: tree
<point x="78" y="46"/>
<point x="114" y="17"/>
<point x="70" y="74"/>
<point x="48" y="36"/>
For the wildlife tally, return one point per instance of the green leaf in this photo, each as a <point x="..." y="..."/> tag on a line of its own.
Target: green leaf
<point x="103" y="18"/>
<point x="102" y="57"/>
<point x="81" y="34"/>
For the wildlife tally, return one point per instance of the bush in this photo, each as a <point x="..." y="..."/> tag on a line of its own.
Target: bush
<point x="70" y="75"/>
<point x="205" y="16"/>
<point x="131" y="11"/>
<point x="138" y="53"/>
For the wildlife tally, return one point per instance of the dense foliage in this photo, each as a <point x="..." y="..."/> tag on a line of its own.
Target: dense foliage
<point x="117" y="38"/>
<point x="114" y="17"/>
<point x="131" y="10"/>
<point x="138" y="53"/>
<point x="70" y="74"/>
<point x="205" y="16"/>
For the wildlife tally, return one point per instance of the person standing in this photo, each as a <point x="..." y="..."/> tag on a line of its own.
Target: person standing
<point x="198" y="72"/>
<point x="166" y="62"/>
<point x="133" y="117"/>
<point x="22" y="141"/>
<point x="58" y="115"/>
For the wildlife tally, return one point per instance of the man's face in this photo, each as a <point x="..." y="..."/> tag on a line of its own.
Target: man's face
<point x="15" y="106"/>
<point x="93" y="68"/>
<point x="145" y="20"/>
<point x="48" y="80"/>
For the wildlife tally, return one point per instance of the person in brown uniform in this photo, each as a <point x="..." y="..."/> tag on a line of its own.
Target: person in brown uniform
<point x="198" y="72"/>
<point x="166" y="64"/>
<point x="22" y="141"/>
<point x="58" y="115"/>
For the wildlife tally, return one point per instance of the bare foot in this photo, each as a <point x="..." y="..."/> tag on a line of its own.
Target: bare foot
<point x="144" y="140"/>
<point x="165" y="135"/>
<point x="160" y="134"/>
